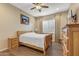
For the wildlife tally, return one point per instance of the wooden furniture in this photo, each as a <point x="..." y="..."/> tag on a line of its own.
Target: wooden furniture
<point x="64" y="41"/>
<point x="13" y="42"/>
<point x="72" y="41"/>
<point x="47" y="42"/>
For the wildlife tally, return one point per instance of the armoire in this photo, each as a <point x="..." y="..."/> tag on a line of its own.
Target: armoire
<point x="70" y="40"/>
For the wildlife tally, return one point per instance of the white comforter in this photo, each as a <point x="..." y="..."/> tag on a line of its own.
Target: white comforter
<point x="33" y="39"/>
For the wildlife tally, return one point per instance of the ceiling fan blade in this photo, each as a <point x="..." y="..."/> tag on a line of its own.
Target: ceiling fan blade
<point x="44" y="6"/>
<point x="33" y="8"/>
<point x="36" y="3"/>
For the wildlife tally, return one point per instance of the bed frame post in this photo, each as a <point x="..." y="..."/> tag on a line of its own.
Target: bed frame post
<point x="44" y="52"/>
<point x="47" y="43"/>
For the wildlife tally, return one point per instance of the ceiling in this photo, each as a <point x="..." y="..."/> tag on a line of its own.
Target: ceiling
<point x="53" y="8"/>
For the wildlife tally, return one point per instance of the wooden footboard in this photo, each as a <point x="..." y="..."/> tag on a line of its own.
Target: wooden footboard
<point x="47" y="43"/>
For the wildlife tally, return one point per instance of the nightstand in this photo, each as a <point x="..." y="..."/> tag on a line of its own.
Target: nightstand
<point x="13" y="42"/>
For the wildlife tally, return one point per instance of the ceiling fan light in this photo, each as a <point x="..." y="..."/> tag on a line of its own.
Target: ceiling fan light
<point x="38" y="7"/>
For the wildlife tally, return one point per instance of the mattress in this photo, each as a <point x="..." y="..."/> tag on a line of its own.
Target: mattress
<point x="33" y="39"/>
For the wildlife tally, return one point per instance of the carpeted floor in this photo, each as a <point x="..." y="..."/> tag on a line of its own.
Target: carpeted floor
<point x="54" y="50"/>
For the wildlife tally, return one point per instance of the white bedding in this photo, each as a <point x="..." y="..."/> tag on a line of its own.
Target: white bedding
<point x="33" y="39"/>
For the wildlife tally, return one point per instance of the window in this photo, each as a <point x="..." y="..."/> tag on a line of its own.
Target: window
<point x="49" y="26"/>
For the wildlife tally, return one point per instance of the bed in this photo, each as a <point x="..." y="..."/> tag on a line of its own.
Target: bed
<point x="35" y="40"/>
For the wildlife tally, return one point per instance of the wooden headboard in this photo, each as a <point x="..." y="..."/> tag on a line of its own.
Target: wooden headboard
<point x="21" y="32"/>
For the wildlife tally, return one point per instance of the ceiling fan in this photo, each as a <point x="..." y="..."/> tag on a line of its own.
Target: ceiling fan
<point x="39" y="6"/>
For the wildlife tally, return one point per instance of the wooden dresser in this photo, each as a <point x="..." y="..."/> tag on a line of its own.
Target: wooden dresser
<point x="13" y="42"/>
<point x="71" y="40"/>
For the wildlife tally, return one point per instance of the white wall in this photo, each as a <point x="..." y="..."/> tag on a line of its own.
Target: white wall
<point x="10" y="23"/>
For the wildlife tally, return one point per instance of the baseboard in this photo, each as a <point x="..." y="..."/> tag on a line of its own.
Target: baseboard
<point x="3" y="49"/>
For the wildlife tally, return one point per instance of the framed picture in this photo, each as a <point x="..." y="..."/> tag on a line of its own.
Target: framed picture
<point x="24" y="19"/>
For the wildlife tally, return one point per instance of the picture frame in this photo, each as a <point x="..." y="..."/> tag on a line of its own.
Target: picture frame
<point x="24" y="19"/>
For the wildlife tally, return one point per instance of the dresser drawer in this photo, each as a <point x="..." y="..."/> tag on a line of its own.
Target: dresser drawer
<point x="14" y="40"/>
<point x="15" y="46"/>
<point x="13" y="43"/>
